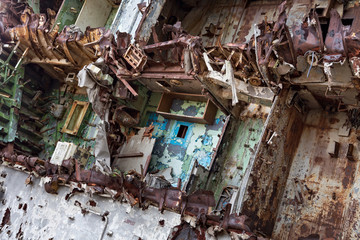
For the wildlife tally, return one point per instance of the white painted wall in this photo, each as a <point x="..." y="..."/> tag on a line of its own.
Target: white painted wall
<point x="128" y="17"/>
<point x="48" y="216"/>
<point x="94" y="13"/>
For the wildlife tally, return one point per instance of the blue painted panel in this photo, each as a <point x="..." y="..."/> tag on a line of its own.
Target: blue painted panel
<point x="183" y="142"/>
<point x="181" y="153"/>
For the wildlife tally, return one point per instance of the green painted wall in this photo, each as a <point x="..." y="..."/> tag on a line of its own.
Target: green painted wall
<point x="85" y="137"/>
<point x="68" y="13"/>
<point x="111" y="18"/>
<point x="20" y="110"/>
<point x="35" y="5"/>
<point x="235" y="153"/>
<point x="10" y="100"/>
<point x="88" y="130"/>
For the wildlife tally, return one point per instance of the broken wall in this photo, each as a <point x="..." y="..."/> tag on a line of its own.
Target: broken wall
<point x="87" y="133"/>
<point x="321" y="192"/>
<point x="237" y="149"/>
<point x="181" y="151"/>
<point x="127" y="17"/>
<point x="272" y="164"/>
<point x="68" y="13"/>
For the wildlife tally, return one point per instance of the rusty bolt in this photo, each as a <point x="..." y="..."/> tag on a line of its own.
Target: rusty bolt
<point x="29" y="180"/>
<point x="3" y="174"/>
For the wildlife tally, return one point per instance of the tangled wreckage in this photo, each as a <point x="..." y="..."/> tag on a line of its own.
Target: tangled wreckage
<point x="179" y="119"/>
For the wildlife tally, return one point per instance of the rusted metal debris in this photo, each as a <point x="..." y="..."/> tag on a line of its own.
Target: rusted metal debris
<point x="131" y="188"/>
<point x="62" y="52"/>
<point x="181" y="48"/>
<point x="268" y="60"/>
<point x="353" y="118"/>
<point x="5" y="219"/>
<point x="135" y="57"/>
<point x="10" y="11"/>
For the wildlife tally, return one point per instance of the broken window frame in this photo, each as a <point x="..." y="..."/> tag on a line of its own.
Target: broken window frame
<point x="182" y="131"/>
<point x="79" y="119"/>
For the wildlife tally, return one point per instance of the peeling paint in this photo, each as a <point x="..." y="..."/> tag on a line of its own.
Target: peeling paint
<point x="180" y="153"/>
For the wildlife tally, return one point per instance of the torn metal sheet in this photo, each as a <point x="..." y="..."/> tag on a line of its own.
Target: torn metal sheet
<point x="127" y="17"/>
<point x="101" y="150"/>
<point x="148" y="20"/>
<point x="128" y="157"/>
<point x="97" y="93"/>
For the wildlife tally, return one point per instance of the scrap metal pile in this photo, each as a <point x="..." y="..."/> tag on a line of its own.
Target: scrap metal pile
<point x="270" y="59"/>
<point x="40" y="41"/>
<point x="279" y="54"/>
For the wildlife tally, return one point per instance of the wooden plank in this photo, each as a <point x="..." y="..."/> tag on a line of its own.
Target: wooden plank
<point x="165" y="103"/>
<point x="210" y="112"/>
<point x="136" y="144"/>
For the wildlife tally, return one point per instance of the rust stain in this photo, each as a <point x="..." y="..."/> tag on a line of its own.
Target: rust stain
<point x="349" y="174"/>
<point x="5" y="219"/>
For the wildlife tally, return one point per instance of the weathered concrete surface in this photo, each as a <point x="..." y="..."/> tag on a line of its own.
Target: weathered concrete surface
<point x="34" y="214"/>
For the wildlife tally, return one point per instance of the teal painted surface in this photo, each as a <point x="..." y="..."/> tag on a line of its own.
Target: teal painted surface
<point x="188" y="108"/>
<point x="181" y="153"/>
<point x="35" y="5"/>
<point x="9" y="117"/>
<point x="235" y="153"/>
<point x="150" y="107"/>
<point x="111" y="18"/>
<point x="68" y="13"/>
